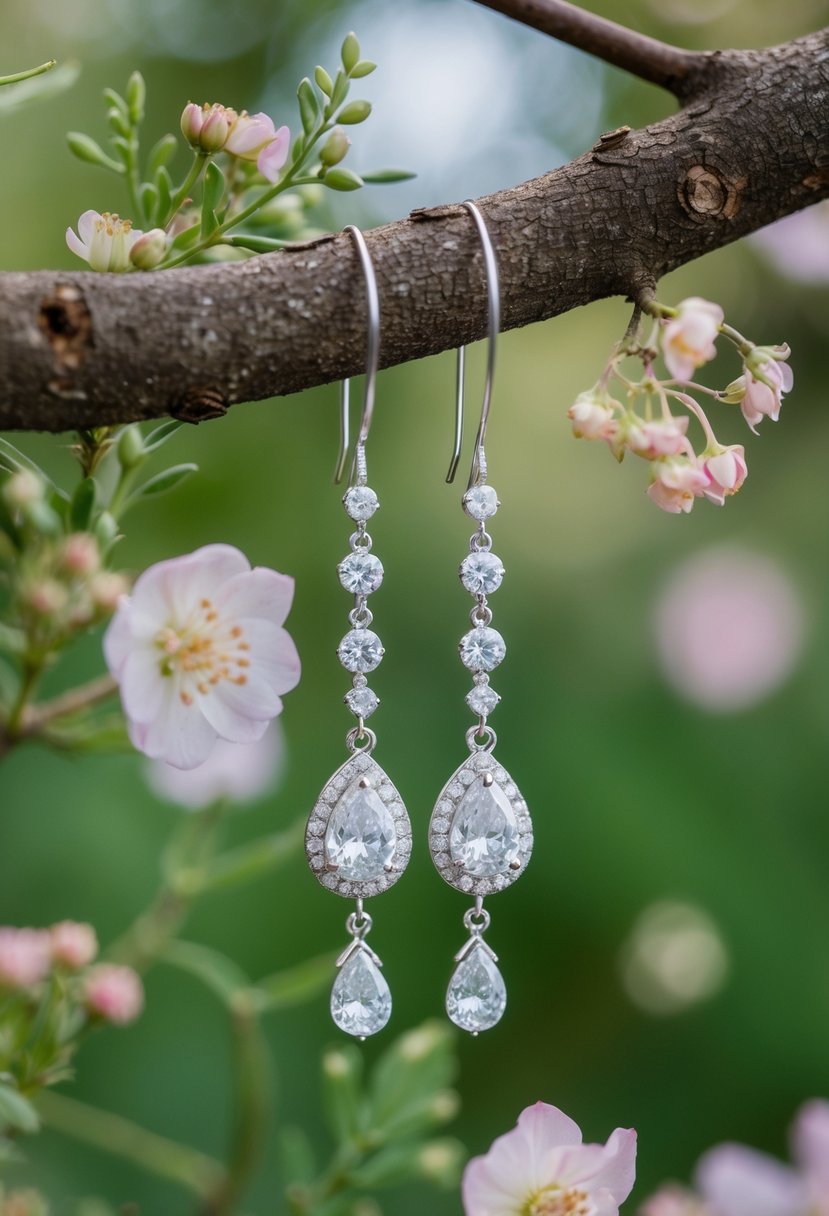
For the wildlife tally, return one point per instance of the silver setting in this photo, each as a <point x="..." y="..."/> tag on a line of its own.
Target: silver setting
<point x="440" y="826"/>
<point x="359" y="766"/>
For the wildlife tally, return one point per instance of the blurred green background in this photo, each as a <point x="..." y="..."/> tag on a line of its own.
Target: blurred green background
<point x="638" y="795"/>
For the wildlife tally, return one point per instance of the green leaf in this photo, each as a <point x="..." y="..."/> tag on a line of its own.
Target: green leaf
<point x="149" y="199"/>
<point x="354" y="112"/>
<point x="119" y="123"/>
<point x="256" y="244"/>
<point x="295" y="1154"/>
<point x="38" y="88"/>
<point x="13" y="641"/>
<point x="395" y="1164"/>
<point x="213" y="189"/>
<point x="364" y="68"/>
<point x="298" y="150"/>
<point x="215" y="970"/>
<point x="161" y="154"/>
<point x="17" y="1111"/>
<point x="160" y="434"/>
<point x="342" y="1070"/>
<point x="115" y="99"/>
<point x="382" y="177"/>
<point x="164" y="186"/>
<point x="136" y="97"/>
<point x="19" y="460"/>
<point x="341" y="86"/>
<point x="164" y="481"/>
<point x="84" y="501"/>
<point x="294" y="985"/>
<point x="415" y="1068"/>
<point x="106" y="529"/>
<point x="250" y="861"/>
<point x="28" y="73"/>
<point x="324" y="81"/>
<point x="122" y="147"/>
<point x="86" y="149"/>
<point x="350" y="52"/>
<point x="309" y="106"/>
<point x="342" y="179"/>
<point x="186" y="238"/>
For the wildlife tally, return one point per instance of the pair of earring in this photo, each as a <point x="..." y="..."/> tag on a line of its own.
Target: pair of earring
<point x="359" y="837"/>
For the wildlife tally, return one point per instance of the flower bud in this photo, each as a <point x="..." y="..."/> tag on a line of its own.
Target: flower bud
<point x="79" y="554"/>
<point x="206" y="128"/>
<point x="24" y="957"/>
<point x="191" y="123"/>
<point x="73" y="945"/>
<point x="354" y="112"/>
<point x="335" y="147"/>
<point x="106" y="590"/>
<point x="440" y="1161"/>
<point x="46" y="597"/>
<point x="150" y="249"/>
<point x="114" y="993"/>
<point x="342" y="179"/>
<point x="22" y="489"/>
<point x="130" y="447"/>
<point x="23" y="1203"/>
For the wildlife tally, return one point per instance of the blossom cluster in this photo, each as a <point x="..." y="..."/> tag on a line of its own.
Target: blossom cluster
<point x="735" y="1180"/>
<point x="686" y="337"/>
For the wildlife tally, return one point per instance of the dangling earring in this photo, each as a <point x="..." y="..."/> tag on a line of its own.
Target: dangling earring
<point x="480" y="833"/>
<point x="358" y="840"/>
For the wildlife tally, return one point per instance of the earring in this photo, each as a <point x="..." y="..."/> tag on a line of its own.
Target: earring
<point x="480" y="833"/>
<point x="358" y="839"/>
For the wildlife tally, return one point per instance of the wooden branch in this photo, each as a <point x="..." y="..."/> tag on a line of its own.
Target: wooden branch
<point x="657" y="62"/>
<point x="750" y="145"/>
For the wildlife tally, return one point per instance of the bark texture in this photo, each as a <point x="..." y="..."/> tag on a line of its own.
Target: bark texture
<point x="750" y="145"/>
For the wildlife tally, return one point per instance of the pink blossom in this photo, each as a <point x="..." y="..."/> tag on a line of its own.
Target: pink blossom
<point x="115" y="994"/>
<point x="80" y="554"/>
<point x="797" y="245"/>
<point x="592" y="417"/>
<point x="738" y="1181"/>
<point x="106" y="590"/>
<point x="727" y="470"/>
<point x="674" y="1200"/>
<point x="661" y="437"/>
<point x="676" y="484"/>
<point x="73" y="945"/>
<point x="206" y="127"/>
<point x="254" y="137"/>
<point x="810" y="1148"/>
<point x="764" y="400"/>
<point x="199" y="653"/>
<point x="271" y="160"/>
<point x="688" y="339"/>
<point x="238" y="772"/>
<point x="104" y="240"/>
<point x="542" y="1168"/>
<point x="25" y="957"/>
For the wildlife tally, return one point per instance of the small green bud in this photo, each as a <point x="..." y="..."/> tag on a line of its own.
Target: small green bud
<point x="22" y="490"/>
<point x="350" y="52"/>
<point x="150" y="249"/>
<point x="130" y="447"/>
<point x="342" y="179"/>
<point x="354" y="112"/>
<point x="136" y="96"/>
<point x="106" y="529"/>
<point x="86" y="149"/>
<point x="335" y="147"/>
<point x="118" y="122"/>
<point x="364" y="68"/>
<point x="324" y="81"/>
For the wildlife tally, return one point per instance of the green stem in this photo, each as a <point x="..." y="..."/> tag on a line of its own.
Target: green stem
<point x="38" y="71"/>
<point x="178" y="1162"/>
<point x="740" y="341"/>
<point x="196" y="170"/>
<point x="32" y="670"/>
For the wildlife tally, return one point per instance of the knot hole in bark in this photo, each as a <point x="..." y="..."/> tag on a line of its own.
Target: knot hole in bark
<point x="705" y="193"/>
<point x="199" y="403"/>
<point x="66" y="322"/>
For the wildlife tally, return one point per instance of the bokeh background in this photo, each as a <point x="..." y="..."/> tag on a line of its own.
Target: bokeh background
<point x="666" y="690"/>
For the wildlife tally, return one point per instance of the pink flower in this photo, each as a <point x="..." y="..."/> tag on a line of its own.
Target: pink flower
<point x="810" y="1147"/>
<point x="673" y="1200"/>
<point x="206" y="127"/>
<point x="797" y="246"/>
<point x="79" y="554"/>
<point x="592" y="417"/>
<point x="254" y="137"/>
<point x="104" y="240"/>
<point x="676" y="484"/>
<point x="271" y="159"/>
<point x="25" y="957"/>
<point x="662" y="437"/>
<point x="239" y="772"/>
<point x="761" y="399"/>
<point x="199" y="653"/>
<point x="73" y="945"/>
<point x="727" y="470"/>
<point x="541" y="1168"/>
<point x="688" y="339"/>
<point x="115" y="994"/>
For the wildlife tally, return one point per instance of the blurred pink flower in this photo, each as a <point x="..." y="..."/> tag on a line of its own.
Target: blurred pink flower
<point x="254" y="137"/>
<point x="661" y="437"/>
<point x="115" y="994"/>
<point x="542" y="1168"/>
<point x="688" y="339"/>
<point x="674" y="1200"/>
<point x="798" y="246"/>
<point x="199" y="653"/>
<point x="676" y="484"/>
<point x="239" y="772"/>
<point x="25" y="956"/>
<point x="810" y="1148"/>
<point x="760" y="400"/>
<point x="591" y="417"/>
<point x="104" y="240"/>
<point x="727" y="470"/>
<point x="73" y="945"/>
<point x="738" y="1181"/>
<point x="729" y="628"/>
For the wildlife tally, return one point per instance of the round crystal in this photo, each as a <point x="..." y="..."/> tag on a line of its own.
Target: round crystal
<point x="360" y="573"/>
<point x="482" y="648"/>
<point x="362" y="701"/>
<point x="360" y="503"/>
<point x="480" y="502"/>
<point x="482" y="700"/>
<point x="360" y="650"/>
<point x="481" y="573"/>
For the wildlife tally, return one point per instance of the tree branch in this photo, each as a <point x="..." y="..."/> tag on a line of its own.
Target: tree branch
<point x="670" y="67"/>
<point x="750" y="145"/>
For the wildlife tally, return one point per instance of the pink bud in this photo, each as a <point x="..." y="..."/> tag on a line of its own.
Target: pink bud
<point x="764" y="397"/>
<point x="25" y="956"/>
<point x="46" y="597"/>
<point x="74" y="945"/>
<point x="191" y="123"/>
<point x="662" y="437"/>
<point x="150" y="249"/>
<point x="592" y="417"/>
<point x="115" y="994"/>
<point x="727" y="470"/>
<point x="106" y="590"/>
<point x="79" y="554"/>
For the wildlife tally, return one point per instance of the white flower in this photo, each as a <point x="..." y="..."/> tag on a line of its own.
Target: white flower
<point x="199" y="653"/>
<point x="239" y="772"/>
<point x="104" y="240"/>
<point x="688" y="338"/>
<point x="541" y="1168"/>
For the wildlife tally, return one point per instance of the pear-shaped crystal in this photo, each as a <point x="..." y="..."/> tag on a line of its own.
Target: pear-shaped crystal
<point x="360" y="998"/>
<point x="476" y="997"/>
<point x="361" y="837"/>
<point x="484" y="837"/>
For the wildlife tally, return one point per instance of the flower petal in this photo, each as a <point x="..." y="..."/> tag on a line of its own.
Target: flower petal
<point x="616" y="1165"/>
<point x="143" y="687"/>
<point x="481" y="1194"/>
<point x="118" y="639"/>
<point x="271" y="160"/>
<point x="76" y="245"/>
<point x="230" y="713"/>
<point x="88" y="225"/>
<point x="738" y="1181"/>
<point x="257" y="593"/>
<point x="273" y="654"/>
<point x="810" y="1140"/>
<point x="180" y="734"/>
<point x="520" y="1161"/>
<point x="171" y="590"/>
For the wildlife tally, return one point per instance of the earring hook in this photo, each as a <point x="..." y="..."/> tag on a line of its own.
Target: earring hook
<point x="478" y="470"/>
<point x="372" y="360"/>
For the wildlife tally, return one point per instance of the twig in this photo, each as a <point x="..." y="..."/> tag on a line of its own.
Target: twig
<point x="72" y="702"/>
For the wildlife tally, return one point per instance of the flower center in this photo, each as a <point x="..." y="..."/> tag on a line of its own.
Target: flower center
<point x="203" y="653"/>
<point x="554" y="1201"/>
<point x="112" y="224"/>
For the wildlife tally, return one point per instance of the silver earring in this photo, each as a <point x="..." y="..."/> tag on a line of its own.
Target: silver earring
<point x="358" y="839"/>
<point x="480" y="833"/>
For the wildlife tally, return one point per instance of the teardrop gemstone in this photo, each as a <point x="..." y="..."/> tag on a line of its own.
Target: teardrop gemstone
<point x="360" y="998"/>
<point x="476" y="997"/>
<point x="360" y="838"/>
<point x="484" y="836"/>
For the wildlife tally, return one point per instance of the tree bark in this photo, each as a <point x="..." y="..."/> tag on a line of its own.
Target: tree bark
<point x="751" y="144"/>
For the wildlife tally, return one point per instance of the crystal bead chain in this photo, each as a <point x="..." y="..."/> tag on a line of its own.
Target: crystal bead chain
<point x="482" y="649"/>
<point x="360" y="573"/>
